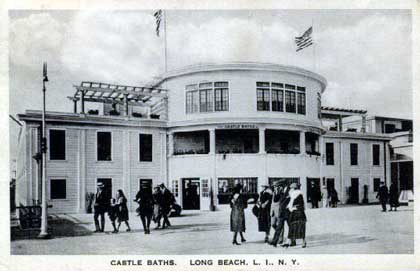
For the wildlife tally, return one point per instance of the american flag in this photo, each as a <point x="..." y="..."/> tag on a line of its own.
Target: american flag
<point x="305" y="40"/>
<point x="158" y="16"/>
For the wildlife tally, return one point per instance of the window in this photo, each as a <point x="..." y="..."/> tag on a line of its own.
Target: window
<point x="301" y="103"/>
<point x="375" y="154"/>
<point x="263" y="96"/>
<point x="146" y="149"/>
<point x="57" y="145"/>
<point x="206" y="97"/>
<point x="277" y="100"/>
<point x="284" y="180"/>
<point x="389" y="128"/>
<point x="319" y="106"/>
<point x="221" y="93"/>
<point x="290" y="98"/>
<point x="175" y="188"/>
<point x="353" y="154"/>
<point x="58" y="188"/>
<point x="192" y="98"/>
<point x="329" y="152"/>
<point x="206" y="188"/>
<point x="104" y="146"/>
<point x="376" y="184"/>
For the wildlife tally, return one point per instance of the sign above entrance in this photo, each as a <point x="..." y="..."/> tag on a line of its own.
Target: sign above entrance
<point x="238" y="126"/>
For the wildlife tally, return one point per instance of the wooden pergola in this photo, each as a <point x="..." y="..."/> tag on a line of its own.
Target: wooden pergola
<point x="116" y="94"/>
<point x="337" y="114"/>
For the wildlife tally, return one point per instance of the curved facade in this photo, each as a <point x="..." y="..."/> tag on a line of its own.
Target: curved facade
<point x="242" y="122"/>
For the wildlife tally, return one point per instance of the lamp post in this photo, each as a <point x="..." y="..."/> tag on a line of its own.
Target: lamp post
<point x="44" y="224"/>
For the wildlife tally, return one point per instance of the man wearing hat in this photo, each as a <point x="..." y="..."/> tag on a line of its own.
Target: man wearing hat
<point x="283" y="213"/>
<point x="100" y="207"/>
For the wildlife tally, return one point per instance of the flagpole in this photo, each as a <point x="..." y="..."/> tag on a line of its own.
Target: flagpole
<point x="166" y="50"/>
<point x="314" y="49"/>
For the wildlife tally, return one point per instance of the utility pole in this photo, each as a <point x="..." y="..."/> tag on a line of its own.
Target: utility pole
<point x="44" y="223"/>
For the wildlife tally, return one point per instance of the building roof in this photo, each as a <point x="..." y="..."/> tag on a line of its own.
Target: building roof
<point x="256" y="66"/>
<point x="355" y="135"/>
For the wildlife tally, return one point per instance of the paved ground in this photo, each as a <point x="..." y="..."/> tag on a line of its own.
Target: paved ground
<point x="353" y="230"/>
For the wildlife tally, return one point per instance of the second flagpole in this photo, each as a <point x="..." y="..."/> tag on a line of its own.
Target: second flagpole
<point x="165" y="42"/>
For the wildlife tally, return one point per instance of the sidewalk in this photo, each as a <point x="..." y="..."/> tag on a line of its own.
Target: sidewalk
<point x="357" y="230"/>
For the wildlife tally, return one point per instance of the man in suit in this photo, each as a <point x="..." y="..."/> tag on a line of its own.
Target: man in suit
<point x="383" y="195"/>
<point x="166" y="204"/>
<point x="100" y="207"/>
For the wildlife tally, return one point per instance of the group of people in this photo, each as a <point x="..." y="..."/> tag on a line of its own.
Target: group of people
<point x="276" y="207"/>
<point x="328" y="196"/>
<point x="153" y="206"/>
<point x="392" y="196"/>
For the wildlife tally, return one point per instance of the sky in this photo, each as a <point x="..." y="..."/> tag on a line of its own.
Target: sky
<point x="365" y="55"/>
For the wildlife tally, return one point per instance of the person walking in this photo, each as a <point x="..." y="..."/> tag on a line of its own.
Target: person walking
<point x="315" y="196"/>
<point x="145" y="210"/>
<point x="275" y="205"/>
<point x="113" y="213"/>
<point x="264" y="216"/>
<point x="297" y="217"/>
<point x="333" y="197"/>
<point x="237" y="214"/>
<point x="100" y="207"/>
<point x="325" y="195"/>
<point x="157" y="210"/>
<point x="283" y="216"/>
<point x="383" y="195"/>
<point x="166" y="205"/>
<point x="393" y="196"/>
<point x="122" y="210"/>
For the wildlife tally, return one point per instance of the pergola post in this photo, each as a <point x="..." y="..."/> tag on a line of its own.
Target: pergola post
<point x="126" y="104"/>
<point x="82" y="101"/>
<point x="75" y="106"/>
<point x="363" y="123"/>
<point x="340" y="123"/>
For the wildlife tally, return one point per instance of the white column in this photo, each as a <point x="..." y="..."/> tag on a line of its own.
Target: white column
<point x="81" y="170"/>
<point x="126" y="168"/>
<point x="302" y="143"/>
<point x="163" y="160"/>
<point x="212" y="141"/>
<point x="170" y="144"/>
<point x="262" y="140"/>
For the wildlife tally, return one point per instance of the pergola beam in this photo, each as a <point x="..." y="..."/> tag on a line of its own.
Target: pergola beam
<point x="110" y="101"/>
<point x="123" y="91"/>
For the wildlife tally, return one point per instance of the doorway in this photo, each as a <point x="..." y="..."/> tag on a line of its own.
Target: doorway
<point x="354" y="191"/>
<point x="313" y="191"/>
<point x="191" y="194"/>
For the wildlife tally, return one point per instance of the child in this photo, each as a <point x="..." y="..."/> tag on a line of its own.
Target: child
<point x="113" y="211"/>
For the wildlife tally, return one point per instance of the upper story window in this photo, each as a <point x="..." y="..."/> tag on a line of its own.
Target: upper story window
<point x="57" y="145"/>
<point x="329" y="153"/>
<point x="104" y="146"/>
<point x="146" y="147"/>
<point x="376" y="154"/>
<point x="281" y="97"/>
<point x="207" y="97"/>
<point x="353" y="154"/>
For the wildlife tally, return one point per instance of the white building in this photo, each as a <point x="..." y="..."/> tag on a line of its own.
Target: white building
<point x="202" y="129"/>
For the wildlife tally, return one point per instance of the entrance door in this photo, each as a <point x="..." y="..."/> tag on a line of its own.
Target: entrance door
<point x="191" y="194"/>
<point x="354" y="191"/>
<point x="107" y="186"/>
<point x="313" y="190"/>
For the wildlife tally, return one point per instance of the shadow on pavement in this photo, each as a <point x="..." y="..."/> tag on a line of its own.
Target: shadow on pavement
<point x="327" y="239"/>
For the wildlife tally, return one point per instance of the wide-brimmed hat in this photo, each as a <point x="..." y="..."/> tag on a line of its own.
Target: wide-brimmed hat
<point x="162" y="185"/>
<point x="100" y="185"/>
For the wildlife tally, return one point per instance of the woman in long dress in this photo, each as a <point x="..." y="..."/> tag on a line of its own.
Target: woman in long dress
<point x="122" y="210"/>
<point x="297" y="217"/>
<point x="237" y="215"/>
<point x="393" y="196"/>
<point x="264" y="216"/>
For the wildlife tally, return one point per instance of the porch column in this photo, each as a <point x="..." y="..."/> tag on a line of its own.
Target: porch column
<point x="212" y="141"/>
<point x="302" y="143"/>
<point x="262" y="140"/>
<point x="170" y="144"/>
